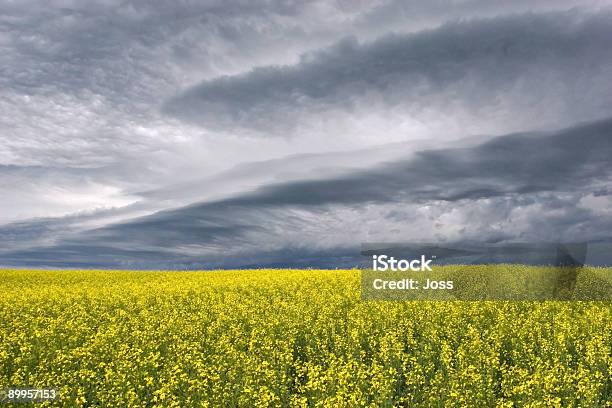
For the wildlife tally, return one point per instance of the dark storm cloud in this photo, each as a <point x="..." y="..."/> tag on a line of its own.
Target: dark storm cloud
<point x="109" y="47"/>
<point x="79" y="256"/>
<point x="119" y="48"/>
<point x="558" y="61"/>
<point x="568" y="160"/>
<point x="90" y="94"/>
<point x="551" y="169"/>
<point x="81" y="86"/>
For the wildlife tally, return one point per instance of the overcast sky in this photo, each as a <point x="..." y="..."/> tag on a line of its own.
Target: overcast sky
<point x="184" y="134"/>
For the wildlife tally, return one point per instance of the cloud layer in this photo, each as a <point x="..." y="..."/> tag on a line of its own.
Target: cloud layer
<point x="530" y="186"/>
<point x="488" y="72"/>
<point x="231" y="133"/>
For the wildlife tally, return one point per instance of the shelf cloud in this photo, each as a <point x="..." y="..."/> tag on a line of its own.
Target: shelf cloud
<point x="144" y="134"/>
<point x="507" y="181"/>
<point x="499" y="68"/>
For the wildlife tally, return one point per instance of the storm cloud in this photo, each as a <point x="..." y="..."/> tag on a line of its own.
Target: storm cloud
<point x="488" y="185"/>
<point x="484" y="70"/>
<point x="144" y="134"/>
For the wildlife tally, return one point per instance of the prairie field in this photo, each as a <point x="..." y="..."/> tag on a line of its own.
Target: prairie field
<point x="291" y="338"/>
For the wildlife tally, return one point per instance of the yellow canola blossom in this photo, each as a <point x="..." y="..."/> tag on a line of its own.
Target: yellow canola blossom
<point x="301" y="338"/>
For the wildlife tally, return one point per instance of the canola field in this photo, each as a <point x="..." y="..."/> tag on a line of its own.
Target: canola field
<point x="300" y="338"/>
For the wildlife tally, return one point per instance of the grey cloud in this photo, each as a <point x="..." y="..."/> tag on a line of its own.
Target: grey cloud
<point x="519" y="186"/>
<point x="35" y="191"/>
<point x="554" y="64"/>
<point x="91" y="257"/>
<point x="81" y="87"/>
<point x="568" y="160"/>
<point x="78" y="80"/>
<point x="123" y="49"/>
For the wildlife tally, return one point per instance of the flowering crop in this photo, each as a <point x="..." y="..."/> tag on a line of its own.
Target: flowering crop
<point x="291" y="338"/>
